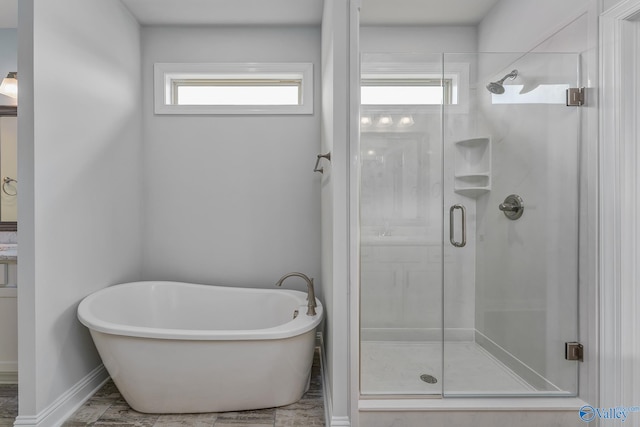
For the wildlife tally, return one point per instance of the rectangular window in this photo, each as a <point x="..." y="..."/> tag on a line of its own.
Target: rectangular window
<point x="237" y="92"/>
<point x="406" y="91"/>
<point x="285" y="88"/>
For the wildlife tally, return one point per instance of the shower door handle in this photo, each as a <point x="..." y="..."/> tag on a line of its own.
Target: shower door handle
<point x="463" y="211"/>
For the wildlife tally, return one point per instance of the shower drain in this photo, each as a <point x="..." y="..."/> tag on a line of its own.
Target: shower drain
<point x="428" y="378"/>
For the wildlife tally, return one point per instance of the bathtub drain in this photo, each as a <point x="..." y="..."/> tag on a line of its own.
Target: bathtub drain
<point x="428" y="378"/>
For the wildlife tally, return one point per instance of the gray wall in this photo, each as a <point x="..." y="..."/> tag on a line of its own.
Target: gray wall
<point x="230" y="200"/>
<point x="79" y="173"/>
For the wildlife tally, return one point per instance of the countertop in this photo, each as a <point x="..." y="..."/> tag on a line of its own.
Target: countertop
<point x="8" y="252"/>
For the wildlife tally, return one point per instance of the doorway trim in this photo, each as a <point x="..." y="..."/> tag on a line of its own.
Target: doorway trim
<point x="619" y="230"/>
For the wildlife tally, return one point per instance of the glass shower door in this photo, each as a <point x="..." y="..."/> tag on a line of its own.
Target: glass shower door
<point x="468" y="224"/>
<point x="510" y="290"/>
<point x="400" y="225"/>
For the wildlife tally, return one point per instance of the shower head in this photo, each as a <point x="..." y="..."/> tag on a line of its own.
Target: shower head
<point x="497" y="87"/>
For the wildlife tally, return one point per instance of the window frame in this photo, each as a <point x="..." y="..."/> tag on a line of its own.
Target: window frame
<point x="167" y="75"/>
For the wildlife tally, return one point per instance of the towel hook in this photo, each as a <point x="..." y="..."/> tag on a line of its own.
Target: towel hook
<point x="321" y="156"/>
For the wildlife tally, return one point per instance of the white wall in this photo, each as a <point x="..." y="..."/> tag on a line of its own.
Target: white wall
<point x="231" y="200"/>
<point x="431" y="39"/>
<point x="326" y="194"/>
<point x="520" y="25"/>
<point x="527" y="269"/>
<point x="335" y="210"/>
<point x="79" y="173"/>
<point x="619" y="91"/>
<point x="608" y="4"/>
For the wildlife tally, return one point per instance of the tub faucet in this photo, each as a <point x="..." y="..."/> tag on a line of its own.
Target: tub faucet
<point x="311" y="295"/>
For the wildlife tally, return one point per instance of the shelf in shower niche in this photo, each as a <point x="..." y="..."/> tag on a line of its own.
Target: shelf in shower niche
<point x="472" y="176"/>
<point x="472" y="185"/>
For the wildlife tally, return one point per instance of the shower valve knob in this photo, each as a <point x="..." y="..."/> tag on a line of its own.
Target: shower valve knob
<point x="512" y="207"/>
<point x="506" y="207"/>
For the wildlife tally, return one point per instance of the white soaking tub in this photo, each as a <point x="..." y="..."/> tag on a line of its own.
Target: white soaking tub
<point x="175" y="347"/>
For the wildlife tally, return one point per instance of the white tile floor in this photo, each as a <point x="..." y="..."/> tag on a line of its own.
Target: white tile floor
<point x="394" y="367"/>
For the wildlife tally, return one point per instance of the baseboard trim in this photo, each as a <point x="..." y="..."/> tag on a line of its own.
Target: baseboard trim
<point x="8" y="372"/>
<point x="330" y="420"/>
<point x="326" y="393"/>
<point x="8" y="377"/>
<point x="340" y="422"/>
<point x="65" y="405"/>
<point x="473" y="404"/>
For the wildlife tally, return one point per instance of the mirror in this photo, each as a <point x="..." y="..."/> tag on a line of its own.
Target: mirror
<point x="8" y="168"/>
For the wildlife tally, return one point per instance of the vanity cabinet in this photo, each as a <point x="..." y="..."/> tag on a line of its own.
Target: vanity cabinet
<point x="8" y="318"/>
<point x="8" y="335"/>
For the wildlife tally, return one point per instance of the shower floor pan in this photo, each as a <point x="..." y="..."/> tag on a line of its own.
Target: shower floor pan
<point x="396" y="367"/>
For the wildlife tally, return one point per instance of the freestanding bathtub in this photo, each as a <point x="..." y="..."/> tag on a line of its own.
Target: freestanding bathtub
<point x="183" y="348"/>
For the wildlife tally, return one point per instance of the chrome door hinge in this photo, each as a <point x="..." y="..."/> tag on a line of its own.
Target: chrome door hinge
<point x="573" y="351"/>
<point x="575" y="96"/>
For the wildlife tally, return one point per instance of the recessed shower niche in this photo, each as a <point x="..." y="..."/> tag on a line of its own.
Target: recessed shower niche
<point x="472" y="166"/>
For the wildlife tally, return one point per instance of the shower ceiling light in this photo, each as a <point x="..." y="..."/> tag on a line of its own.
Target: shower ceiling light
<point x="406" y="121"/>
<point x="385" y="121"/>
<point x="9" y="86"/>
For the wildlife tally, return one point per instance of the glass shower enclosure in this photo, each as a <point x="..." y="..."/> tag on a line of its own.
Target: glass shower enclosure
<point x="468" y="224"/>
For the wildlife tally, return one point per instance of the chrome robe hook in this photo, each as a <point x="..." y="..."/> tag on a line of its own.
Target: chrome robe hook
<point x="321" y="156"/>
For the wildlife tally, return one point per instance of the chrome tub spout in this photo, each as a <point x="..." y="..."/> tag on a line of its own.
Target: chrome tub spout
<point x="311" y="295"/>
